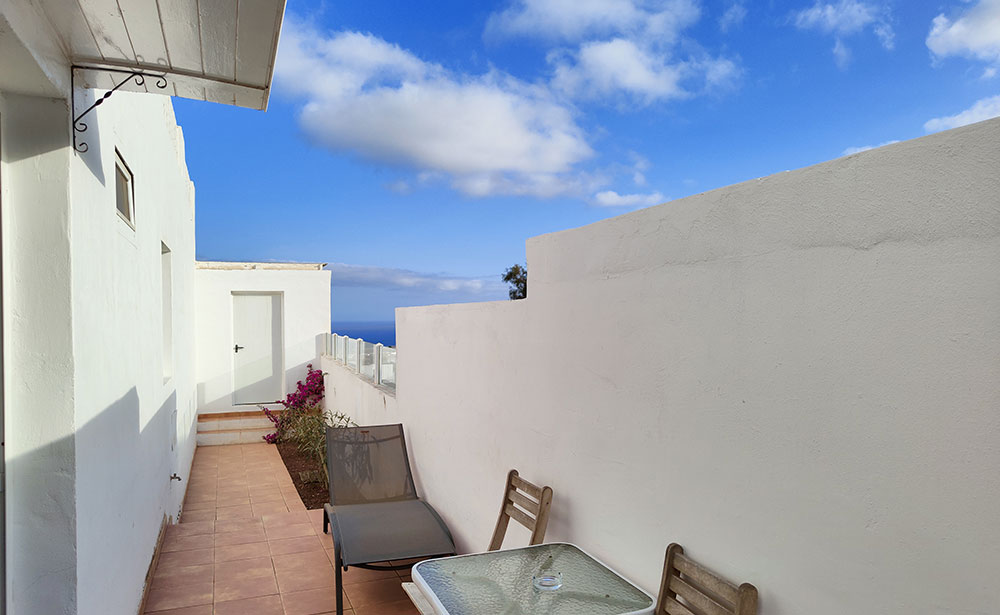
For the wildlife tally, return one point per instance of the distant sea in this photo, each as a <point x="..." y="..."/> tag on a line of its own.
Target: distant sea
<point x="376" y="332"/>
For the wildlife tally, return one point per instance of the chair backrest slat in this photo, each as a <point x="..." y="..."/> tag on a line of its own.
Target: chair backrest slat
<point x="531" y="510"/>
<point x="525" y="502"/>
<point x="672" y="607"/>
<point x="688" y="588"/>
<point x="701" y="602"/>
<point x="532" y="490"/>
<point x="724" y="592"/>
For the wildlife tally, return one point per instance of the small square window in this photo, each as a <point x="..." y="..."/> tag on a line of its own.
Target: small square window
<point x="124" y="191"/>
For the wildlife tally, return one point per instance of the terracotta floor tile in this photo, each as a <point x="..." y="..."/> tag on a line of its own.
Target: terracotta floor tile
<point x="264" y="605"/>
<point x="175" y="576"/>
<point x="195" y="516"/>
<point x="268" y="508"/>
<point x="295" y="505"/>
<point x="295" y="545"/>
<point x="312" y="602"/>
<point x="205" y="609"/>
<point x="187" y="543"/>
<point x="237" y="525"/>
<point x="240" y="538"/>
<point x="398" y="607"/>
<point x="258" y="567"/>
<point x="375" y="592"/>
<point x="245" y="587"/>
<point x="315" y="514"/>
<point x="193" y="506"/>
<point x="233" y="509"/>
<point x="251" y="550"/>
<point x="192" y="528"/>
<point x="277" y="532"/>
<point x="301" y="571"/>
<point x="269" y="495"/>
<point x="285" y="518"/>
<point x="362" y="575"/>
<point x="177" y="559"/>
<point x="229" y="489"/>
<point x="177" y="597"/>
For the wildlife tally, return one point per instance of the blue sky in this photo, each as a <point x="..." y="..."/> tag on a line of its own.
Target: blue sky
<point x="415" y="146"/>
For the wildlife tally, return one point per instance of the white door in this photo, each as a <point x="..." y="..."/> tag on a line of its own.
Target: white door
<point x="257" y="348"/>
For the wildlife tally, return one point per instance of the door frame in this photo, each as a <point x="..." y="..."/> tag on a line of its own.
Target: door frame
<point x="232" y="342"/>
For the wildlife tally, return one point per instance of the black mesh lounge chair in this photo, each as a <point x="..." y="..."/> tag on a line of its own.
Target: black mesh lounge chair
<point x="374" y="513"/>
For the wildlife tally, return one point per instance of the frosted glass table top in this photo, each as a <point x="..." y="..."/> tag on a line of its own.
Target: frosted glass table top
<point x="501" y="583"/>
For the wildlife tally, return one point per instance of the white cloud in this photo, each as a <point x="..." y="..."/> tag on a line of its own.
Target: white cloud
<point x="488" y="134"/>
<point x="602" y="69"/>
<point x="846" y="18"/>
<point x="576" y="20"/>
<point x="610" y="198"/>
<point x="343" y="274"/>
<point x="865" y="148"/>
<point x="974" y="33"/>
<point x="620" y="48"/>
<point x="733" y="17"/>
<point x="841" y="54"/>
<point x="983" y="110"/>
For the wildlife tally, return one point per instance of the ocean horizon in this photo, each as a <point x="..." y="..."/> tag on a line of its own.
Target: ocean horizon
<point x="374" y="331"/>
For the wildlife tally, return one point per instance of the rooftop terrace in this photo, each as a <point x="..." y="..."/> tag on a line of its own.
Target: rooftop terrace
<point x="246" y="544"/>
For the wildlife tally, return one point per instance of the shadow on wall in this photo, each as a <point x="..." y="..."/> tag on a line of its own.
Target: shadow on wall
<point x="97" y="496"/>
<point x="51" y="112"/>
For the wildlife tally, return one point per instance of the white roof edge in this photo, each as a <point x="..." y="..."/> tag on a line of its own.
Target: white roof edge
<point x="250" y="266"/>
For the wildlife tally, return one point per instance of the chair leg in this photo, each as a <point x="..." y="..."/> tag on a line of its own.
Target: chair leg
<point x="338" y="566"/>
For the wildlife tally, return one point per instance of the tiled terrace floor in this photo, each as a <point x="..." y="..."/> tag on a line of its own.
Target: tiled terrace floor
<point x="246" y="545"/>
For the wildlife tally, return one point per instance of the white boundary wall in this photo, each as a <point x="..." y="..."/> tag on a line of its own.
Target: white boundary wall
<point x="305" y="297"/>
<point x="797" y="378"/>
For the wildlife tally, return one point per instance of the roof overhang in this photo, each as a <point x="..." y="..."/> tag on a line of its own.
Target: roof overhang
<point x="216" y="50"/>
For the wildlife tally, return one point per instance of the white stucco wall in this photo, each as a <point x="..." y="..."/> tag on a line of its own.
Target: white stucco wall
<point x="797" y="378"/>
<point x="92" y="430"/>
<point x="306" y="306"/>
<point x="134" y="428"/>
<point x="39" y="363"/>
<point x="347" y="393"/>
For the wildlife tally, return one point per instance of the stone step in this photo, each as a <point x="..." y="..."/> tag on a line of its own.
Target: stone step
<point x="219" y="437"/>
<point x="229" y="421"/>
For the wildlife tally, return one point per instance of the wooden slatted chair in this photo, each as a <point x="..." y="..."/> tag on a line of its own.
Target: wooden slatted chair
<point x="531" y="512"/>
<point x="688" y="588"/>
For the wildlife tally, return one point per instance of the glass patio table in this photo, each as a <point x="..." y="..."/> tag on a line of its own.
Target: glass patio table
<point x="555" y="579"/>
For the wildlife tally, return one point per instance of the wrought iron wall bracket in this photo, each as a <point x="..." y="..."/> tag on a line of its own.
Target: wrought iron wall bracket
<point x="138" y="76"/>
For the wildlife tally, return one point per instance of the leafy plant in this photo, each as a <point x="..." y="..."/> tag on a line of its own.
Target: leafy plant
<point x="308" y="395"/>
<point x="304" y="421"/>
<point x="309" y="433"/>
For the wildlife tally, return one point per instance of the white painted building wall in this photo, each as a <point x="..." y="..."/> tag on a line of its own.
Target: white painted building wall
<point x="94" y="424"/>
<point x="305" y="293"/>
<point x="39" y="367"/>
<point x="134" y="427"/>
<point x="797" y="378"/>
<point x="93" y="430"/>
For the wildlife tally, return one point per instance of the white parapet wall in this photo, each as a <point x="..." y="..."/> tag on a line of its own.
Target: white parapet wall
<point x="303" y="291"/>
<point x="348" y="393"/>
<point x="797" y="378"/>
